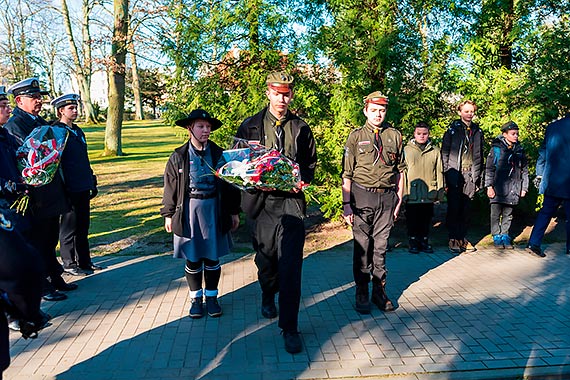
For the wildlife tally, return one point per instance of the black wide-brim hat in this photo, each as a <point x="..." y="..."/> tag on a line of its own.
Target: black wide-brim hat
<point x="197" y="115"/>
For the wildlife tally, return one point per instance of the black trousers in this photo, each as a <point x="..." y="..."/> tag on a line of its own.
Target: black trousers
<point x="4" y="343"/>
<point x="278" y="239"/>
<point x="43" y="236"/>
<point x="458" y="212"/>
<point x="373" y="220"/>
<point x="418" y="219"/>
<point x="501" y="218"/>
<point x="74" y="231"/>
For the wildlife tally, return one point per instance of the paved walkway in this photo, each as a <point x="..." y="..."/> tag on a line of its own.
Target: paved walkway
<point x="490" y="314"/>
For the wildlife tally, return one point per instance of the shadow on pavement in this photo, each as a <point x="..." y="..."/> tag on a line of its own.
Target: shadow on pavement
<point x="490" y="310"/>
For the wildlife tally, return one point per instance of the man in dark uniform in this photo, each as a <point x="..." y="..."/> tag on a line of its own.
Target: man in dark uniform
<point x="81" y="187"/>
<point x="278" y="228"/>
<point x="372" y="186"/>
<point x="21" y="273"/>
<point x="21" y="270"/>
<point x="553" y="180"/>
<point x="47" y="202"/>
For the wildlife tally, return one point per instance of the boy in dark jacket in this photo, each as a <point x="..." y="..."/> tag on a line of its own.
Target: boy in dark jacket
<point x="462" y="158"/>
<point x="506" y="180"/>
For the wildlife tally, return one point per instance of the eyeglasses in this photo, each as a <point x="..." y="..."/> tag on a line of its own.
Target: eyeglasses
<point x="5" y="106"/>
<point x="32" y="96"/>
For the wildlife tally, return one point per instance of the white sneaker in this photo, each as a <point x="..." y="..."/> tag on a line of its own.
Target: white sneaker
<point x="14" y="325"/>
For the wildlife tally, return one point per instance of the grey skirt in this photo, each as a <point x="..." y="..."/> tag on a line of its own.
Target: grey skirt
<point x="206" y="241"/>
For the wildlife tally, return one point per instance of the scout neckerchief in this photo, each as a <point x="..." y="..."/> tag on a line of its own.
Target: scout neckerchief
<point x="468" y="135"/>
<point x="280" y="135"/>
<point x="378" y="144"/>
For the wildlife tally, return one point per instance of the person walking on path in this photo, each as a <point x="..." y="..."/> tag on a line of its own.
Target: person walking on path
<point x="200" y="210"/>
<point x="554" y="177"/>
<point x="423" y="186"/>
<point x="81" y="187"/>
<point x="278" y="234"/>
<point x="462" y="155"/>
<point x="372" y="189"/>
<point x="506" y="180"/>
<point x="48" y="202"/>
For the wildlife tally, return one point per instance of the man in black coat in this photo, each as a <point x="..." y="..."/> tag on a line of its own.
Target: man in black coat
<point x="278" y="228"/>
<point x="47" y="202"/>
<point x="21" y="274"/>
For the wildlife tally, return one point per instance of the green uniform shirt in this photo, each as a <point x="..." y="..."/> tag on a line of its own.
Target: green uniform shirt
<point x="361" y="162"/>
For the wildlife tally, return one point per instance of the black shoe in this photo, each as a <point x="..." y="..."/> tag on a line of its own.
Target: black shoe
<point x="362" y="304"/>
<point x="93" y="267"/>
<point x="268" y="308"/>
<point x="568" y="251"/>
<point x="197" y="308"/>
<point x="426" y="247"/>
<point x="414" y="245"/>
<point x="536" y="250"/>
<point x="213" y="307"/>
<point x="54" y="296"/>
<point x="293" y="344"/>
<point x="59" y="284"/>
<point x="76" y="271"/>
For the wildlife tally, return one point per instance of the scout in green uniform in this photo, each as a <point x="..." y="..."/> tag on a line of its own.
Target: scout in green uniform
<point x="372" y="184"/>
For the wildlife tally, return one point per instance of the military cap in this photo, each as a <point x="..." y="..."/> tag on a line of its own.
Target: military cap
<point x="199" y="114"/>
<point x="64" y="100"/>
<point x="280" y="81"/>
<point x="509" y="126"/>
<point x="376" y="98"/>
<point x="3" y="94"/>
<point x="27" y="87"/>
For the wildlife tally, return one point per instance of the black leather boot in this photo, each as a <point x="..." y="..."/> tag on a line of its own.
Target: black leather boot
<point x="414" y="245"/>
<point x="379" y="296"/>
<point x="362" y="304"/>
<point x="425" y="246"/>
<point x="268" y="308"/>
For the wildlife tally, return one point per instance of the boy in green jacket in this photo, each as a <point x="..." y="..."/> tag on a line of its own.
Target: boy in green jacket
<point x="423" y="186"/>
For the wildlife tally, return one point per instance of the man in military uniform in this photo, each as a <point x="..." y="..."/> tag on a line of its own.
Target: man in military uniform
<point x="372" y="185"/>
<point x="21" y="269"/>
<point x="278" y="228"/>
<point x="47" y="202"/>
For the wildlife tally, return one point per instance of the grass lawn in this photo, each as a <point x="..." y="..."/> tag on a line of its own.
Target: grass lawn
<point x="125" y="215"/>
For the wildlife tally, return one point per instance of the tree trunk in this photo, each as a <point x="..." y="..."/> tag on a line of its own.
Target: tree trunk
<point x="506" y="45"/>
<point x="82" y="70"/>
<point x="139" y="113"/>
<point x="117" y="80"/>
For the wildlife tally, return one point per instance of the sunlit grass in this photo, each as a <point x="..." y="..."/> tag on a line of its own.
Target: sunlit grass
<point x="125" y="215"/>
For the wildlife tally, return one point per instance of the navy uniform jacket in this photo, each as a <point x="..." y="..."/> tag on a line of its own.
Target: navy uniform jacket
<point x="45" y="201"/>
<point x="552" y="163"/>
<point x="8" y="168"/>
<point x="75" y="165"/>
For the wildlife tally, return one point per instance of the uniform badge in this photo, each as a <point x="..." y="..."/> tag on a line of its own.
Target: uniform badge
<point x="367" y="142"/>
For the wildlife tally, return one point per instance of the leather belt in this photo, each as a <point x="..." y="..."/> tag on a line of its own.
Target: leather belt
<point x="381" y="190"/>
<point x="202" y="196"/>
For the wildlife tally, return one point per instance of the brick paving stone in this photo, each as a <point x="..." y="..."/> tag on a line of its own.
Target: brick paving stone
<point x="478" y="313"/>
